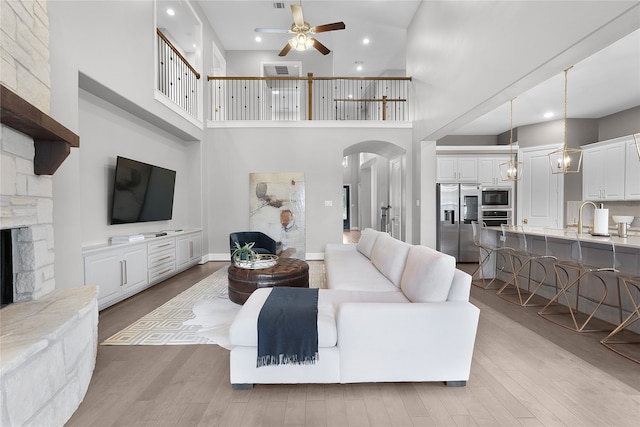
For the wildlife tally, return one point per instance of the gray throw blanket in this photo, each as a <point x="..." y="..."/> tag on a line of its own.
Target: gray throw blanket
<point x="288" y="327"/>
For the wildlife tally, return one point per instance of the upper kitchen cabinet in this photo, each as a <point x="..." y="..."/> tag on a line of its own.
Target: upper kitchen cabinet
<point x="604" y="174"/>
<point x="457" y="169"/>
<point x="489" y="171"/>
<point x="632" y="172"/>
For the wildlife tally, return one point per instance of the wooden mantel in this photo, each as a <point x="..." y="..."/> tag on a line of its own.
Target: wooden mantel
<point x="52" y="140"/>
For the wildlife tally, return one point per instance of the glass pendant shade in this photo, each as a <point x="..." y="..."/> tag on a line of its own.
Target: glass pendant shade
<point x="565" y="160"/>
<point x="301" y="42"/>
<point x="511" y="170"/>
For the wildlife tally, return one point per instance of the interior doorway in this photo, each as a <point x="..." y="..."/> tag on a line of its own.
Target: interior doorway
<point x="375" y="172"/>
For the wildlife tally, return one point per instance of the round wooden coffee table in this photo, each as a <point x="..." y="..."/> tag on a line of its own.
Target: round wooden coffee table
<point x="287" y="272"/>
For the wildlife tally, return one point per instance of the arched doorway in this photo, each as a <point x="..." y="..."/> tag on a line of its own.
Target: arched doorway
<point x="374" y="172"/>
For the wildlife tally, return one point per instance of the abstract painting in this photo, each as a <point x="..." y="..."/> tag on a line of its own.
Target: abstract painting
<point x="277" y="208"/>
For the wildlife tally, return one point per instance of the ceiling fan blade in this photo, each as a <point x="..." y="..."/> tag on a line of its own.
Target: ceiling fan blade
<point x="296" y="11"/>
<point x="270" y="30"/>
<point x="321" y="48"/>
<point x="328" y="27"/>
<point x="285" y="50"/>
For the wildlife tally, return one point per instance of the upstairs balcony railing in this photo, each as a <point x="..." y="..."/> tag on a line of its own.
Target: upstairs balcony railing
<point x="310" y="98"/>
<point x="177" y="79"/>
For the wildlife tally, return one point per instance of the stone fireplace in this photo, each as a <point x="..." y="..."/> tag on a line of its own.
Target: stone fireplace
<point x="27" y="209"/>
<point x="48" y="336"/>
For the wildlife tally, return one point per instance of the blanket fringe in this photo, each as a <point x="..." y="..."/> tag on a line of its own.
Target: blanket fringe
<point x="283" y="359"/>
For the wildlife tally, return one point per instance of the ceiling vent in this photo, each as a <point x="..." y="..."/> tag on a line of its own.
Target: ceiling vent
<point x="278" y="5"/>
<point x="282" y="70"/>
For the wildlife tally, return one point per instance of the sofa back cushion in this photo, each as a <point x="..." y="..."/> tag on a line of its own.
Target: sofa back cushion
<point x="367" y="240"/>
<point x="389" y="256"/>
<point x="427" y="275"/>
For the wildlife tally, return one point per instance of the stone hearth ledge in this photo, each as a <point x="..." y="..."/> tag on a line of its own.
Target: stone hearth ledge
<point x="48" y="351"/>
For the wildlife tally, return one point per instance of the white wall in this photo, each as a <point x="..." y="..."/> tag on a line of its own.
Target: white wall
<point x="112" y="44"/>
<point x="247" y="62"/>
<point x="108" y="132"/>
<point x="232" y="153"/>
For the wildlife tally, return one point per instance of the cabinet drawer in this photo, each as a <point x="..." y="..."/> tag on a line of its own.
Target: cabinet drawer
<point x="160" y="272"/>
<point x="162" y="245"/>
<point x="160" y="258"/>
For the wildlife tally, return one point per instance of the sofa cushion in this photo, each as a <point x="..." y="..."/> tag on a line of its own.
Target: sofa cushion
<point x="347" y="269"/>
<point x="427" y="275"/>
<point x="389" y="256"/>
<point x="368" y="238"/>
<point x="244" y="329"/>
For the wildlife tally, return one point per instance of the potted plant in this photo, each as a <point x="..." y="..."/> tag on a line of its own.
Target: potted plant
<point x="244" y="253"/>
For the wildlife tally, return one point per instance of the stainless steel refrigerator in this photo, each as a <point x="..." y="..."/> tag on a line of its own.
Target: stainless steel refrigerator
<point x="457" y="206"/>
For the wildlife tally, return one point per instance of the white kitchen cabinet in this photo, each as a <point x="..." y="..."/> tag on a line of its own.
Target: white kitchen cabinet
<point x="189" y="250"/>
<point x="632" y="172"/>
<point x="456" y="169"/>
<point x="603" y="171"/>
<point x="489" y="171"/>
<point x="119" y="272"/>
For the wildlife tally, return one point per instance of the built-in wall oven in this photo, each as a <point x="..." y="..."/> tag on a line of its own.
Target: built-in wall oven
<point x="496" y="198"/>
<point x="496" y="217"/>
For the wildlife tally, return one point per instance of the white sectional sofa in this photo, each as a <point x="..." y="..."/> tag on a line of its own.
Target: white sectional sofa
<point x="393" y="312"/>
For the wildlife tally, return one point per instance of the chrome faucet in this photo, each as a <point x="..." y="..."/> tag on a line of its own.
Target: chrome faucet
<point x="580" y="214"/>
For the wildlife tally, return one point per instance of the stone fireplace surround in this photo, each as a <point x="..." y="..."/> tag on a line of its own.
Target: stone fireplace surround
<point x="48" y="336"/>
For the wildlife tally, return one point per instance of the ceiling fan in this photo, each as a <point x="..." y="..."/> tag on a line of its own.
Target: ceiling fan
<point x="302" y="33"/>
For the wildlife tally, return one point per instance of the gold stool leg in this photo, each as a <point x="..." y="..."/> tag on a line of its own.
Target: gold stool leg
<point x="633" y="317"/>
<point x="572" y="312"/>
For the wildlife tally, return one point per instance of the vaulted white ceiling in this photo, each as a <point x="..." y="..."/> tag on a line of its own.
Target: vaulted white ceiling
<point x="603" y="84"/>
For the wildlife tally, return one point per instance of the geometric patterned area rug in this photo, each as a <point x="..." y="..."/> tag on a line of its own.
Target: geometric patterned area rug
<point x="201" y="314"/>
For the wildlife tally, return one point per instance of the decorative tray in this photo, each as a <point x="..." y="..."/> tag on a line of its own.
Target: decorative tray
<point x="261" y="261"/>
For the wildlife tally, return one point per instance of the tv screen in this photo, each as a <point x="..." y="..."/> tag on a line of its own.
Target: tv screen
<point x="141" y="192"/>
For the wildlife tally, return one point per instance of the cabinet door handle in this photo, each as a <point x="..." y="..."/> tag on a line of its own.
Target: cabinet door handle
<point x="166" y="244"/>
<point x="121" y="273"/>
<point x="160" y="273"/>
<point x="125" y="272"/>
<point x="190" y="249"/>
<point x="164" y="257"/>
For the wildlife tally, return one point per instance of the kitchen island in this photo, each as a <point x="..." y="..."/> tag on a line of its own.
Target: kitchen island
<point x="563" y="244"/>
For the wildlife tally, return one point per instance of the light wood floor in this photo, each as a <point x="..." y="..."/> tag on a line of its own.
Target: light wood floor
<point x="526" y="371"/>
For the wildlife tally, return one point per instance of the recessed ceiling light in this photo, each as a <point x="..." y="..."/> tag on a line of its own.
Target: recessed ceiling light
<point x="548" y="115"/>
<point x="365" y="41"/>
<point x="170" y="12"/>
<point x="359" y="68"/>
<point x="258" y="39"/>
<point x="194" y="46"/>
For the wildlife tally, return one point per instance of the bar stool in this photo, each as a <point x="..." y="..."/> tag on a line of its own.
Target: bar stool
<point x="632" y="288"/>
<point x="485" y="249"/>
<point x="566" y="283"/>
<point x="526" y="258"/>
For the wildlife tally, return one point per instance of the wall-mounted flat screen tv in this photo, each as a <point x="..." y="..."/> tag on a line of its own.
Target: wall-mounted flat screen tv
<point x="141" y="192"/>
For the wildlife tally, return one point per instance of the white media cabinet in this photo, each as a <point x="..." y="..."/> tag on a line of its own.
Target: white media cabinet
<point x="123" y="270"/>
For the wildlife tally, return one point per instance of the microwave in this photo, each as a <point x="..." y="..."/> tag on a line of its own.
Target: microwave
<point x="496" y="198"/>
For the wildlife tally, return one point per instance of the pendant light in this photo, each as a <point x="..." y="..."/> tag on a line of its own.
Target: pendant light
<point x="511" y="170"/>
<point x="565" y="160"/>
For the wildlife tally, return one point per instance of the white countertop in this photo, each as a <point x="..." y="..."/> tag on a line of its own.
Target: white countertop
<point x="570" y="234"/>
